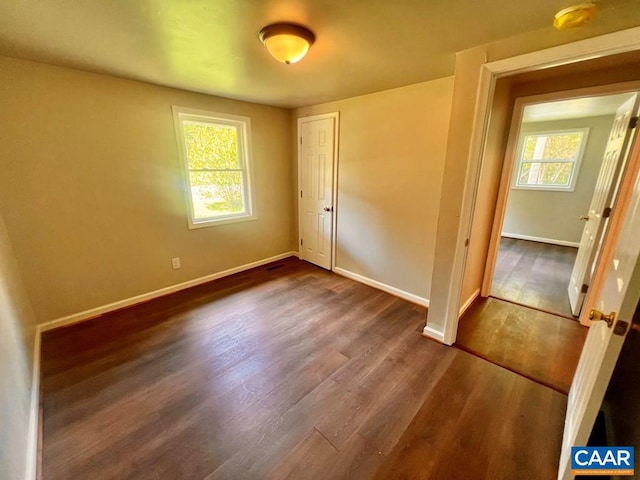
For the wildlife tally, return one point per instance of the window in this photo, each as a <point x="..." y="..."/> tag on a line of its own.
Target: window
<point x="214" y="149"/>
<point x="550" y="160"/>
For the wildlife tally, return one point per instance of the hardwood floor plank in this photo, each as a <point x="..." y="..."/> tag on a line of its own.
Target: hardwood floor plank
<point x="357" y="461"/>
<point x="534" y="414"/>
<point x="308" y="413"/>
<point x="224" y="350"/>
<point x="384" y="429"/>
<point x="367" y="397"/>
<point x="454" y="433"/>
<point x="434" y="426"/>
<point x="242" y="430"/>
<point x="292" y="372"/>
<point x="310" y="459"/>
<point x="277" y="437"/>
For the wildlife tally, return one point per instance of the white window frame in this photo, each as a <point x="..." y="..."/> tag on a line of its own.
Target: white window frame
<point x="243" y="128"/>
<point x="576" y="167"/>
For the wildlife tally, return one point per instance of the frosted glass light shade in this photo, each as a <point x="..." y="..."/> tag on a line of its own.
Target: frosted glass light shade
<point x="575" y="16"/>
<point x="287" y="42"/>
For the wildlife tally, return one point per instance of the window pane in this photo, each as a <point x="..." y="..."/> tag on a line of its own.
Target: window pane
<point x="211" y="146"/>
<point x="216" y="194"/>
<point x="564" y="146"/>
<point x="556" y="174"/>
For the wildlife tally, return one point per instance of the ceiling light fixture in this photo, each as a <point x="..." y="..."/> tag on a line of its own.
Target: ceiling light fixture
<point x="575" y="16"/>
<point x="287" y="42"/>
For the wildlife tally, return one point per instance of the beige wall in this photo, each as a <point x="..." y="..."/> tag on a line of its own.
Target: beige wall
<point x="17" y="335"/>
<point x="91" y="187"/>
<point x="391" y="158"/>
<point x="555" y="215"/>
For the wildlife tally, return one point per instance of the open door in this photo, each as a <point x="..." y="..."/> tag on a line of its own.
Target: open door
<point x="600" y="208"/>
<point x="617" y="298"/>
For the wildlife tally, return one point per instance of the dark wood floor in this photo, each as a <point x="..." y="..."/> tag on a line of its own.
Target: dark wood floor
<point x="535" y="344"/>
<point x="534" y="274"/>
<point x="286" y="371"/>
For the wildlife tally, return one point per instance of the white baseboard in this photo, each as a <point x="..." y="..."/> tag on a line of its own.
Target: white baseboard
<point x="465" y="306"/>
<point x="31" y="467"/>
<point x="96" y="312"/>
<point x="552" y="241"/>
<point x="383" y="286"/>
<point x="433" y="334"/>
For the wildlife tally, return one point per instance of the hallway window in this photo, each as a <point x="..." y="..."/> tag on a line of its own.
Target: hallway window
<point x="214" y="149"/>
<point x="550" y="160"/>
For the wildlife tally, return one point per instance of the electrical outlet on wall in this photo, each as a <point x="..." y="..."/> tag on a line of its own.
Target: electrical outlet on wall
<point x="175" y="263"/>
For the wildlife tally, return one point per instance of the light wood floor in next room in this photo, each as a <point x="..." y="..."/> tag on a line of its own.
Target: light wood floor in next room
<point x="534" y="274"/>
<point x="535" y="344"/>
<point x="285" y="371"/>
<point x="514" y="329"/>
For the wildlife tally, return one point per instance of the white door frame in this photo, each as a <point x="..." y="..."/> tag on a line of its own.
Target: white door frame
<point x="334" y="187"/>
<point x="602" y="46"/>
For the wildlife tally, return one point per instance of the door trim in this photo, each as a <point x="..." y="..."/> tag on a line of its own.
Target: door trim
<point x="601" y="46"/>
<point x="334" y="187"/>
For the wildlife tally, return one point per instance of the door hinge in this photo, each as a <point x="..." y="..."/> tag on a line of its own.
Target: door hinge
<point x="606" y="213"/>
<point x="300" y="193"/>
<point x="633" y="122"/>
<point x="300" y="140"/>
<point x="466" y="242"/>
<point x="301" y="242"/>
<point x="584" y="288"/>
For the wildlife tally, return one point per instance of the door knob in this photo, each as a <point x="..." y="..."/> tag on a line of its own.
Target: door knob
<point x="596" y="315"/>
<point x="328" y="209"/>
<point x="585" y="218"/>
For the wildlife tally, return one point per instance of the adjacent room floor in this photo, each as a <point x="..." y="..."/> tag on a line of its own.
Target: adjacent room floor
<point x="538" y="345"/>
<point x="526" y="325"/>
<point x="534" y="274"/>
<point x="285" y="371"/>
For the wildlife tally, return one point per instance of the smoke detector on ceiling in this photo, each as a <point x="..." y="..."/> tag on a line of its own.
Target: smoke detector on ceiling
<point x="575" y="16"/>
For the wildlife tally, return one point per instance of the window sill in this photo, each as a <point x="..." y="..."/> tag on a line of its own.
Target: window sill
<point x="544" y="188"/>
<point x="222" y="221"/>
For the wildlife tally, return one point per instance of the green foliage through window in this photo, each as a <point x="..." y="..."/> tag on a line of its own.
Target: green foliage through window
<point x="550" y="159"/>
<point x="216" y="167"/>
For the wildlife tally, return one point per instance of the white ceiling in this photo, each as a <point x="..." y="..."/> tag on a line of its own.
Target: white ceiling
<point x="212" y="46"/>
<point x="575" y="108"/>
